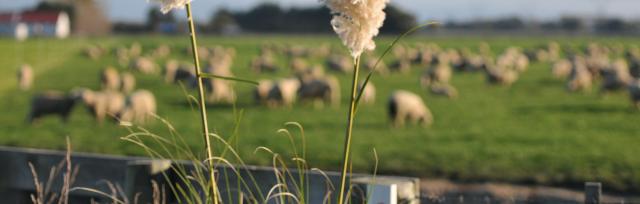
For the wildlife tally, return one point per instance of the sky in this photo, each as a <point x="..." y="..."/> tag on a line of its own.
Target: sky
<point x="438" y="10"/>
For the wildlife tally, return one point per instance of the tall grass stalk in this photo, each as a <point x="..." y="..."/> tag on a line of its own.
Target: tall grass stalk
<point x="350" y="118"/>
<point x="202" y="105"/>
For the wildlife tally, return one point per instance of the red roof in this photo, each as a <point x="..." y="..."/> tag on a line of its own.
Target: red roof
<point x="31" y="17"/>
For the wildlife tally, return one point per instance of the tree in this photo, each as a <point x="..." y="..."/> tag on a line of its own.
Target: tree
<point x="267" y="17"/>
<point x="571" y="23"/>
<point x="222" y="20"/>
<point x="155" y="18"/>
<point x="397" y="20"/>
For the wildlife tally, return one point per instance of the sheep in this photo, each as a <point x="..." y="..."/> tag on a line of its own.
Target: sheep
<point x="264" y="63"/>
<point x="144" y="65"/>
<point x="135" y="50"/>
<point x="140" y="107"/>
<point x="102" y="104"/>
<point x="616" y="76"/>
<point x="381" y="68"/>
<point x="368" y="93"/>
<point x="326" y="89"/>
<point x="501" y="75"/>
<point x="297" y="65"/>
<point x="110" y="79"/>
<point x="94" y="52"/>
<point x="561" y="69"/>
<point x="310" y="73"/>
<point x="438" y="74"/>
<point x="170" y="69"/>
<point x="443" y="89"/>
<point x="122" y="54"/>
<point x="284" y="92"/>
<point x="127" y="82"/>
<point x="404" y="105"/>
<point x="162" y="51"/>
<point x="220" y="91"/>
<point x="401" y="65"/>
<point x="25" y="77"/>
<point x="339" y="63"/>
<point x="51" y="103"/>
<point x="580" y="77"/>
<point x="261" y="92"/>
<point x="634" y="93"/>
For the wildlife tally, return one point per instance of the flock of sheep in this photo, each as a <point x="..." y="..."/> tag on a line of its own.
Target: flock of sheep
<point x="618" y="68"/>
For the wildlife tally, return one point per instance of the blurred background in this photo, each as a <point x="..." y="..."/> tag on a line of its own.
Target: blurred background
<point x="526" y="100"/>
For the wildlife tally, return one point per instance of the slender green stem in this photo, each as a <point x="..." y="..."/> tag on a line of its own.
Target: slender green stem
<point x="203" y="107"/>
<point x="350" y="118"/>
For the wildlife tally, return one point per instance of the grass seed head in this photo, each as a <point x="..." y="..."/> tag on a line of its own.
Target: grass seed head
<point x="356" y="22"/>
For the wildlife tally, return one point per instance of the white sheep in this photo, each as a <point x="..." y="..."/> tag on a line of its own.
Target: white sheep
<point x="444" y="90"/>
<point x="580" y="77"/>
<point x="561" y="69"/>
<point x="127" y="82"/>
<point x="284" y="92"/>
<point x="261" y="92"/>
<point x="25" y="77"/>
<point x="110" y="79"/>
<point x="102" y="104"/>
<point x="140" y="107"/>
<point x="404" y="105"/>
<point x="339" y="63"/>
<point x="368" y="94"/>
<point x="144" y="65"/>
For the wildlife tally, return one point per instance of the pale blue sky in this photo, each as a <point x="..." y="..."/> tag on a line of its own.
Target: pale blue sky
<point x="440" y="10"/>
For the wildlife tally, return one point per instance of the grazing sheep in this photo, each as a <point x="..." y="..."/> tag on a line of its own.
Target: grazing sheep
<point x="368" y="94"/>
<point x="170" y="69"/>
<point x="135" y="50"/>
<point x="144" y="65"/>
<point x="25" y="77"/>
<point x="127" y="82"/>
<point x="264" y="63"/>
<point x="580" y="77"/>
<point x="102" y="104"/>
<point x="501" y="75"/>
<point x="381" y="68"/>
<point x="94" y="52"/>
<point x="310" y="73"/>
<point x="616" y="76"/>
<point x="110" y="79"/>
<point x="325" y="89"/>
<point x="220" y="91"/>
<point x="284" y="92"/>
<point x="442" y="89"/>
<point x="561" y="69"/>
<point x="438" y="74"/>
<point x="162" y="51"/>
<point x="140" y="107"/>
<point x="261" y="92"/>
<point x="634" y="93"/>
<point x="51" y="103"/>
<point x="400" y="65"/>
<point x="339" y="63"/>
<point x="404" y="105"/>
<point x="122" y="54"/>
<point x="298" y="65"/>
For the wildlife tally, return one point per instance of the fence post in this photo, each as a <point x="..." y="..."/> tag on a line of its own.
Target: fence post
<point x="592" y="192"/>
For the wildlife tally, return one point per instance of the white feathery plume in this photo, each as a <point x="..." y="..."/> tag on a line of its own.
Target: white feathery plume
<point x="356" y="22"/>
<point x="168" y="5"/>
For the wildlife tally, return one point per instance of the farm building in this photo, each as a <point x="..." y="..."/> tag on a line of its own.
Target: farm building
<point x="35" y="23"/>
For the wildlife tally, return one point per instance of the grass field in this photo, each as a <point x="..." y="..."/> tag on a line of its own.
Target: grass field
<point x="532" y="132"/>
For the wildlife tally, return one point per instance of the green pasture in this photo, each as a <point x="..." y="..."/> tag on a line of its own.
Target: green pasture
<point x="532" y="132"/>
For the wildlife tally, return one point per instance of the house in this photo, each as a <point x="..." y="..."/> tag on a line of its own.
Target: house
<point x="35" y="23"/>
